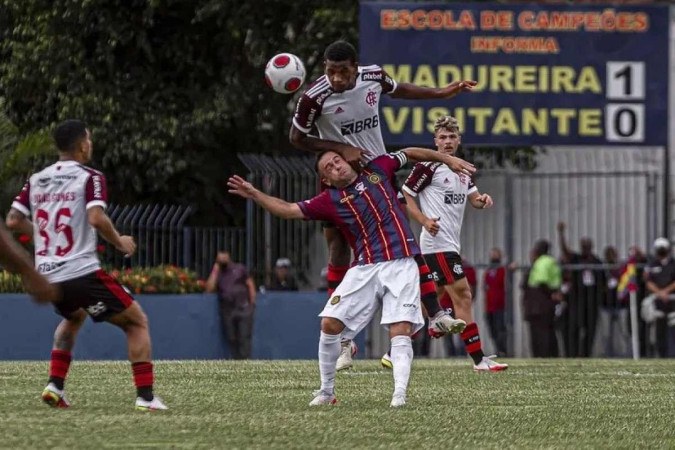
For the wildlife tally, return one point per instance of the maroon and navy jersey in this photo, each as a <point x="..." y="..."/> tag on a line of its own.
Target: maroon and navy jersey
<point x="57" y="198"/>
<point x="351" y="116"/>
<point x="368" y="213"/>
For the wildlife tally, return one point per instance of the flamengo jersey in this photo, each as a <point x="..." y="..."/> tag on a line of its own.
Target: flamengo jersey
<point x="443" y="193"/>
<point x="58" y="198"/>
<point x="368" y="213"/>
<point x="351" y="116"/>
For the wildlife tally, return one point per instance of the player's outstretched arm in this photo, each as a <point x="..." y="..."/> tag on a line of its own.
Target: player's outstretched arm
<point x="16" y="260"/>
<point x="455" y="164"/>
<point x="101" y="222"/>
<point x="480" y="201"/>
<point x="276" y="206"/>
<point x="414" y="92"/>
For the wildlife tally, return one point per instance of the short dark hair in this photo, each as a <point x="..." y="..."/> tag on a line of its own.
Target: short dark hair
<point x="340" y="51"/>
<point x="68" y="133"/>
<point x="318" y="157"/>
<point x="541" y="247"/>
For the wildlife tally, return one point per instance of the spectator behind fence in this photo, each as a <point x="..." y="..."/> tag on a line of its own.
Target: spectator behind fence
<point x="494" y="284"/>
<point x="236" y="297"/>
<point x="541" y="293"/>
<point x="586" y="289"/>
<point x="660" y="276"/>
<point x="282" y="280"/>
<point x="612" y="337"/>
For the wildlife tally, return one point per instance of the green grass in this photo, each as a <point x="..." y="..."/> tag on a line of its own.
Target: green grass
<point x="263" y="404"/>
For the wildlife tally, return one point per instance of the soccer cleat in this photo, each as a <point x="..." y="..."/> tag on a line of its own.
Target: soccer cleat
<point x="442" y="323"/>
<point x="156" y="404"/>
<point x="348" y="350"/>
<point x="397" y="401"/>
<point x="323" y="398"/>
<point x="55" y="397"/>
<point x="386" y="362"/>
<point x="487" y="364"/>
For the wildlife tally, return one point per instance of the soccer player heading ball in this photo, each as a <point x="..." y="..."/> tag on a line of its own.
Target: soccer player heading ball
<point x="343" y="106"/>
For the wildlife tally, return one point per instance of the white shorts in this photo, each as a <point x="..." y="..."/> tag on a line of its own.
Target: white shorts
<point x="395" y="283"/>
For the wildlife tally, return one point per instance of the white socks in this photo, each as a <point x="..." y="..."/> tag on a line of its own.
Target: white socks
<point x="401" y="359"/>
<point x="329" y="351"/>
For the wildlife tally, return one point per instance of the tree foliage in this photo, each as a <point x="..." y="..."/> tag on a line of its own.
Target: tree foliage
<point x="172" y="89"/>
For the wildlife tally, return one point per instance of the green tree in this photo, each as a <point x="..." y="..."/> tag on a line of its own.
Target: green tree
<point x="171" y="89"/>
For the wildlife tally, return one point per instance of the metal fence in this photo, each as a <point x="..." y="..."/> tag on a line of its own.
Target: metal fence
<point x="163" y="238"/>
<point x="269" y="237"/>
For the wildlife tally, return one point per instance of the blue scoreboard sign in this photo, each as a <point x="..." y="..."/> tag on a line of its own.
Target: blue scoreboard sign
<point x="547" y="74"/>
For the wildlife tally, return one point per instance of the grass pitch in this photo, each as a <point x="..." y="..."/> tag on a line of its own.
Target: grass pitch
<point x="263" y="404"/>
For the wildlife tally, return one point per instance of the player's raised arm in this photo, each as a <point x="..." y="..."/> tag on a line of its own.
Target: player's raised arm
<point x="413" y="92"/>
<point x="276" y="206"/>
<point x="303" y="141"/>
<point x="425" y="155"/>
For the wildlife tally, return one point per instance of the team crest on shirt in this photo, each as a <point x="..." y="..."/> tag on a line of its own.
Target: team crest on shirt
<point x="360" y="187"/>
<point x="335" y="300"/>
<point x="371" y="98"/>
<point x="374" y="178"/>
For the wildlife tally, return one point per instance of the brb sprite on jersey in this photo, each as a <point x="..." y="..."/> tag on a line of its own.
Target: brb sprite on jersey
<point x="351" y="116"/>
<point x="58" y="198"/>
<point x="443" y="193"/>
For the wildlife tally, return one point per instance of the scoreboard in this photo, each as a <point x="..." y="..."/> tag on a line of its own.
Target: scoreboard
<point x="547" y="74"/>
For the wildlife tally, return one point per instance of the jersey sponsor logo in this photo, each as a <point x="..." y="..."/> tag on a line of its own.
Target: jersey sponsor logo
<point x="371" y="98"/>
<point x="450" y="198"/>
<point x="44" y="182"/>
<point x="374" y="178"/>
<point x="446" y="181"/>
<point x="48" y="267"/>
<point x="324" y="95"/>
<point x="357" y="126"/>
<point x="310" y="116"/>
<point x="98" y="186"/>
<point x="409" y="305"/>
<point x="419" y="182"/>
<point x="347" y="198"/>
<point x="339" y="110"/>
<point x="371" y="76"/>
<point x="95" y="310"/>
<point x="360" y="187"/>
<point x="335" y="300"/>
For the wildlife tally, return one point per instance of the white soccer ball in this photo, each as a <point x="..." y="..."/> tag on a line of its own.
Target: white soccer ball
<point x="285" y="73"/>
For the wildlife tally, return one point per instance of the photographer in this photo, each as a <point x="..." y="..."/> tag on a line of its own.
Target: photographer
<point x="236" y="296"/>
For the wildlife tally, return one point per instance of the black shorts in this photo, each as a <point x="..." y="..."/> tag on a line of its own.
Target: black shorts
<point x="97" y="293"/>
<point x="446" y="267"/>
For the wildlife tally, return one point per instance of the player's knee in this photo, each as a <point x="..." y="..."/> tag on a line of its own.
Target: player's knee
<point x="330" y="325"/>
<point x="400" y="329"/>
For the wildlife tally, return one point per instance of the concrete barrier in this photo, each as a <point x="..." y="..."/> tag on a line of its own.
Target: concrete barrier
<point x="182" y="327"/>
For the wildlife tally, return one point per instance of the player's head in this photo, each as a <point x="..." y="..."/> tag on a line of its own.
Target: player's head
<point x="334" y="170"/>
<point x="340" y="65"/>
<point x="73" y="139"/>
<point x="446" y="135"/>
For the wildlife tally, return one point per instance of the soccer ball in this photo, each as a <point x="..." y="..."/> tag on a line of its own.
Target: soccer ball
<point x="285" y="73"/>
